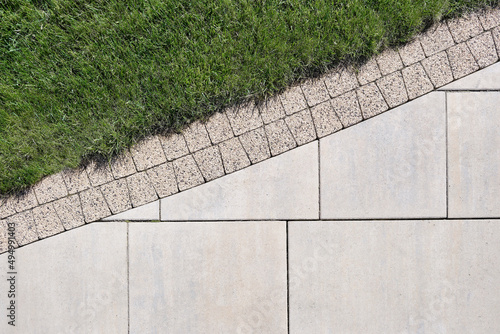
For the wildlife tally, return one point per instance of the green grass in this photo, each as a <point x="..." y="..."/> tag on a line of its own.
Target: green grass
<point x="80" y="78"/>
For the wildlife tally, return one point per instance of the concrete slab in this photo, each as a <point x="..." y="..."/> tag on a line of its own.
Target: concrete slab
<point x="484" y="79"/>
<point x="394" y="277"/>
<point x="284" y="187"/>
<point x="75" y="282"/>
<point x="473" y="160"/>
<point x="208" y="278"/>
<point x="145" y="212"/>
<point x="391" y="166"/>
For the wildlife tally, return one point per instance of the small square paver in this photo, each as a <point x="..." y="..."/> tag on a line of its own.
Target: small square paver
<point x="218" y="128"/>
<point x="346" y="107"/>
<point x="122" y="165"/>
<point x="233" y="155"/>
<point x="70" y="211"/>
<point x="272" y="109"/>
<point x="368" y="72"/>
<point x="76" y="180"/>
<point x="50" y="188"/>
<point x="280" y="138"/>
<point x="496" y="38"/>
<point x="47" y="221"/>
<point x="210" y="163"/>
<point x="196" y="136"/>
<point x="325" y="119"/>
<point x="483" y="49"/>
<point x="25" y="200"/>
<point x="461" y="60"/>
<point x="148" y="153"/>
<point x="371" y="100"/>
<point x="389" y="61"/>
<point x="244" y="118"/>
<point x="490" y="18"/>
<point x="99" y="172"/>
<point x="340" y="80"/>
<point x="302" y="127"/>
<point x="174" y="145"/>
<point x="141" y="190"/>
<point x="393" y="89"/>
<point x="315" y="91"/>
<point x="256" y="145"/>
<point x="293" y="100"/>
<point x="4" y="237"/>
<point x="416" y="81"/>
<point x="116" y="195"/>
<point x="163" y="179"/>
<point x="436" y="38"/>
<point x="411" y="52"/>
<point x="25" y="227"/>
<point x="464" y="27"/>
<point x="187" y="173"/>
<point x="7" y="206"/>
<point x="439" y="69"/>
<point x="94" y="205"/>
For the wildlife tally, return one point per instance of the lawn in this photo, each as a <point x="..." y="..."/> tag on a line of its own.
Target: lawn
<point x="80" y="78"/>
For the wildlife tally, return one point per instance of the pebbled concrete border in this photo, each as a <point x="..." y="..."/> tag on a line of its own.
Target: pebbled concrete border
<point x="161" y="166"/>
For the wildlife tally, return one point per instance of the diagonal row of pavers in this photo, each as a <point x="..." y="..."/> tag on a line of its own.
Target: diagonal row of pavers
<point x="160" y="166"/>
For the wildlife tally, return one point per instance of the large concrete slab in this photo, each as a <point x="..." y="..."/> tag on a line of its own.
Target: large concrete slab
<point x="391" y="166"/>
<point x="394" y="277"/>
<point x="75" y="282"/>
<point x="208" y="277"/>
<point x="473" y="159"/>
<point x="284" y="187"/>
<point x="485" y="79"/>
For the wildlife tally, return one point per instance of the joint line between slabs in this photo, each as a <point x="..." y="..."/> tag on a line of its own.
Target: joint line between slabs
<point x="287" y="284"/>
<point x="128" y="278"/>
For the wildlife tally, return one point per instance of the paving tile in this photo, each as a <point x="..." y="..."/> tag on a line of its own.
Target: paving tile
<point x="391" y="166"/>
<point x="4" y="237"/>
<point x="50" y="188"/>
<point x="210" y="163"/>
<point x="473" y="168"/>
<point x="196" y="136"/>
<point x="78" y="277"/>
<point x="371" y="100"/>
<point x="70" y="211"/>
<point x="256" y="145"/>
<point x="411" y="52"/>
<point x="233" y="155"/>
<point x="340" y="80"/>
<point x="490" y="18"/>
<point x="496" y="38"/>
<point x="293" y="100"/>
<point x="302" y="127"/>
<point x="150" y="211"/>
<point x="123" y="165"/>
<point x="7" y="206"/>
<point x="25" y="227"/>
<point x="464" y="27"/>
<point x="486" y="78"/>
<point x="280" y="138"/>
<point x="141" y="189"/>
<point x="163" y="179"/>
<point x="187" y="173"/>
<point x="483" y="49"/>
<point x="461" y="60"/>
<point x="284" y="187"/>
<point x="271" y="110"/>
<point x="148" y="153"/>
<point x="99" y="173"/>
<point x="25" y="201"/>
<point x="93" y="204"/>
<point x="437" y="38"/>
<point x="218" y="128"/>
<point x="346" y="107"/>
<point x="389" y="61"/>
<point x="416" y="81"/>
<point x="116" y="196"/>
<point x="244" y="118"/>
<point x="393" y="89"/>
<point x="368" y="72"/>
<point x="394" y="276"/>
<point x="47" y="221"/>
<point x="242" y="263"/>
<point x="174" y="145"/>
<point x="439" y="69"/>
<point x="315" y="91"/>
<point x="325" y="119"/>
<point x="76" y="180"/>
